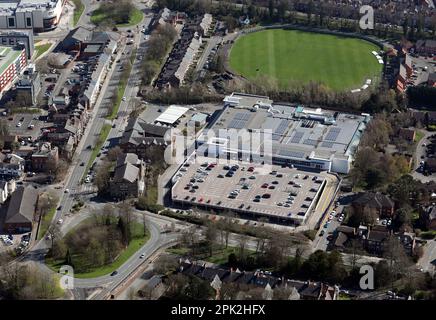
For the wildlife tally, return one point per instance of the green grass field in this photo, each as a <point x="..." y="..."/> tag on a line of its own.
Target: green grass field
<point x="78" y="11"/>
<point x="45" y="222"/>
<point x="98" y="17"/>
<point x="40" y="49"/>
<point x="135" y="244"/>
<point x="292" y="56"/>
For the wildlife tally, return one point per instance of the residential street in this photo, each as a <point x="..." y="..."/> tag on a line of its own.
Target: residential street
<point x="72" y="186"/>
<point x="428" y="260"/>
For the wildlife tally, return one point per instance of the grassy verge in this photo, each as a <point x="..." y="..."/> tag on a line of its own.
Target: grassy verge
<point x="133" y="56"/>
<point x="428" y="234"/>
<point x="134" y="19"/>
<point x="220" y="255"/>
<point x="152" y="194"/>
<point x="134" y="246"/>
<point x="98" y="17"/>
<point x="419" y="136"/>
<point x="120" y="92"/>
<point x="45" y="222"/>
<point x="100" y="141"/>
<point x="25" y="110"/>
<point x="77" y="11"/>
<point x="40" y="49"/>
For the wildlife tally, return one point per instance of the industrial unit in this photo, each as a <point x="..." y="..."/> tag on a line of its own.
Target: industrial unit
<point x="309" y="138"/>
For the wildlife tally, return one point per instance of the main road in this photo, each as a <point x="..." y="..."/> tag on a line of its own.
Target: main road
<point x="83" y="154"/>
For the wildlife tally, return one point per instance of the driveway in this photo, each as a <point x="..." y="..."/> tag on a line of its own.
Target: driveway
<point x="428" y="259"/>
<point x="419" y="152"/>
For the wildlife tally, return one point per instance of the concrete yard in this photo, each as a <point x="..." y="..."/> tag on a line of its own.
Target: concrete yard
<point x="18" y="125"/>
<point x="284" y="193"/>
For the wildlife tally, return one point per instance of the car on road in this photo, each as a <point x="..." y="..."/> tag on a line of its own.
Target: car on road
<point x="67" y="191"/>
<point x="124" y="99"/>
<point x="321" y="233"/>
<point x="60" y="221"/>
<point x="142" y="256"/>
<point x="82" y="164"/>
<point x="60" y="208"/>
<point x="114" y="273"/>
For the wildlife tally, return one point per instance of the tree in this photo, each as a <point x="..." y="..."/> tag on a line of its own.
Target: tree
<point x="102" y="177"/>
<point x="210" y="236"/>
<point x="198" y="289"/>
<point x="165" y="264"/>
<point x="55" y="233"/>
<point x="123" y="228"/>
<point x="271" y="9"/>
<point x="403" y="217"/>
<point x="46" y="202"/>
<point x="69" y="259"/>
<point x="125" y="213"/>
<point x="242" y="244"/>
<point x="94" y="253"/>
<point x="114" y="153"/>
<point x="382" y="274"/>
<point x="4" y="129"/>
<point x="190" y="239"/>
<point x="59" y="248"/>
<point x="25" y="282"/>
<point x="365" y="216"/>
<point x="396" y="256"/>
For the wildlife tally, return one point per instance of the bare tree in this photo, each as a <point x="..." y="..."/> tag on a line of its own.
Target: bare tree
<point x="114" y="153"/>
<point x="54" y="232"/>
<point x="165" y="264"/>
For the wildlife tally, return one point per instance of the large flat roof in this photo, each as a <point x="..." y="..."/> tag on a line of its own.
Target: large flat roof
<point x="296" y="131"/>
<point x="25" y="5"/>
<point x="7" y="56"/>
<point x="172" y="114"/>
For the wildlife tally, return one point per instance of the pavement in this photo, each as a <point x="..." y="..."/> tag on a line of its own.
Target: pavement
<point x="72" y="183"/>
<point x="419" y="152"/>
<point x="428" y="260"/>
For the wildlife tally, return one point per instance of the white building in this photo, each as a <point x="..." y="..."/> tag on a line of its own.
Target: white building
<point x="39" y="15"/>
<point x="304" y="137"/>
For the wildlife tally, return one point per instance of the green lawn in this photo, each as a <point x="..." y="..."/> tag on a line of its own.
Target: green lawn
<point x="419" y="136"/>
<point x="98" y="17"/>
<point x="220" y="255"/>
<point x="26" y="110"/>
<point x="40" y="49"/>
<point x="152" y="194"/>
<point x="78" y="11"/>
<point x="299" y="57"/>
<point x="134" y="246"/>
<point x="45" y="222"/>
